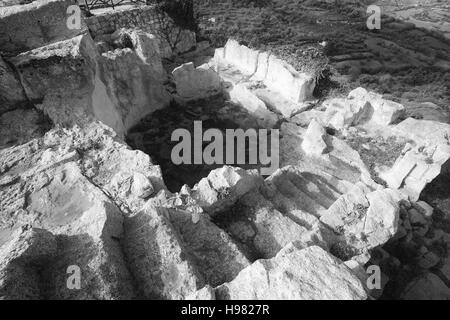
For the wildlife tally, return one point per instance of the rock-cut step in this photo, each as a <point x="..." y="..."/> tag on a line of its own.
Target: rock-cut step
<point x="309" y="191"/>
<point x="259" y="228"/>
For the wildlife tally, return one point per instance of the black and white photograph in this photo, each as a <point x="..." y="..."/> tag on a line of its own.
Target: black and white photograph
<point x="224" y="156"/>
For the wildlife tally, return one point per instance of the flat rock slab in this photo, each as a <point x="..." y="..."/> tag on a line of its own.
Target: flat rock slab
<point x="295" y="274"/>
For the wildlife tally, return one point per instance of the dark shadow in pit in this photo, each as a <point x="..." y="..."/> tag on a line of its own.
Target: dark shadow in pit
<point x="153" y="136"/>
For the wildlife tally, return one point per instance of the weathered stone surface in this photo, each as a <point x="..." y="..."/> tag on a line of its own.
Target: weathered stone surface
<point x="428" y="111"/>
<point x="223" y="187"/>
<point x="320" y="277"/>
<point x="157" y="257"/>
<point x="283" y="78"/>
<point x="417" y="167"/>
<point x="385" y="112"/>
<point x="341" y="113"/>
<point x="63" y="79"/>
<point x="243" y="57"/>
<point x="134" y="86"/>
<point x="87" y="225"/>
<point x="262" y="230"/>
<point x="36" y="24"/>
<point x="314" y="142"/>
<point x="361" y="107"/>
<point x="424" y="131"/>
<point x="363" y="218"/>
<point x="52" y="172"/>
<point x="276" y="102"/>
<point x="304" y="195"/>
<point x="341" y="161"/>
<point x="72" y="83"/>
<point x="79" y="197"/>
<point x="147" y="48"/>
<point x="172" y="40"/>
<point x="196" y="83"/>
<point x="206" y="293"/>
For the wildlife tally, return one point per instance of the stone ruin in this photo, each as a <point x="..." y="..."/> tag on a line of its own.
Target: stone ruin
<point x="349" y="194"/>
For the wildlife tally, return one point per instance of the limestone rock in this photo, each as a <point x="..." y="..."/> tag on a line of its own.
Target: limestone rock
<point x="206" y="293"/>
<point x="273" y="72"/>
<point x="21" y="125"/>
<point x="196" y="83"/>
<point x="86" y="223"/>
<point x="147" y="47"/>
<point x="427" y="111"/>
<point x="243" y="57"/>
<point x="63" y="78"/>
<point x="314" y="139"/>
<point x="385" y="112"/>
<point x="72" y="83"/>
<point x="342" y="162"/>
<point x="241" y="95"/>
<point x="427" y="287"/>
<point x="303" y="119"/>
<point x="360" y="108"/>
<point x="426" y="208"/>
<point x="36" y="24"/>
<point x="209" y="246"/>
<point x="262" y="230"/>
<point x="417" y="167"/>
<point x="275" y="101"/>
<point x="223" y="187"/>
<point x="134" y="86"/>
<point x="424" y="131"/>
<point x="321" y="277"/>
